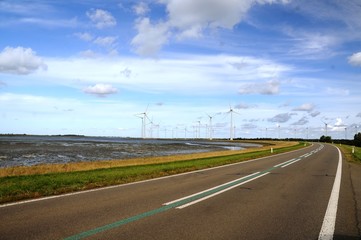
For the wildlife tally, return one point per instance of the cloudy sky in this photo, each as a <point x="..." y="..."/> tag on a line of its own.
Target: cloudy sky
<point x="285" y="67"/>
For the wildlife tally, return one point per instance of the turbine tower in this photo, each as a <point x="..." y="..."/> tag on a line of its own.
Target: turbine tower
<point x="231" y="129"/>
<point x="144" y="117"/>
<point x="210" y="126"/>
<point x="326" y="124"/>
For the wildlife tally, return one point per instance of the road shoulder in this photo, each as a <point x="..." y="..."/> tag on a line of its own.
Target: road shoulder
<point x="355" y="171"/>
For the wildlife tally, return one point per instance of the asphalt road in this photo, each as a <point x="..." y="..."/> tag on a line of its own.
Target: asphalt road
<point x="285" y="196"/>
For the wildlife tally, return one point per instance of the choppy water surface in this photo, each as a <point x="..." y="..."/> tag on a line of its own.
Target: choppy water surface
<point x="33" y="150"/>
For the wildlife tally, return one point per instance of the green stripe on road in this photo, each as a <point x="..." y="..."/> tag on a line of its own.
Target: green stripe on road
<point x="171" y="205"/>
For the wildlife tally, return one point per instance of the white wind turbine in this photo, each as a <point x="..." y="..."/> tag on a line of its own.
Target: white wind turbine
<point x="210" y="126"/>
<point x="231" y="129"/>
<point x="326" y="124"/>
<point x="144" y="117"/>
<point x="142" y="131"/>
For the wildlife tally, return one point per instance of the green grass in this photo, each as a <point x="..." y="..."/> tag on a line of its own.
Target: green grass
<point x="16" y="188"/>
<point x="347" y="151"/>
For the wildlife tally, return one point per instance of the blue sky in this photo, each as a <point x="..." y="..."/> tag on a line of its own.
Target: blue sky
<point x="285" y="67"/>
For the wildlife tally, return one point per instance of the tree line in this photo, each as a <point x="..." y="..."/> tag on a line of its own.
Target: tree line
<point x="356" y="140"/>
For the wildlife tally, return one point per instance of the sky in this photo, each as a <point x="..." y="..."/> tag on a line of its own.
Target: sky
<point x="181" y="68"/>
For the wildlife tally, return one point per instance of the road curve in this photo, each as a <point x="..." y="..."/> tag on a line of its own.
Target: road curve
<point x="287" y="196"/>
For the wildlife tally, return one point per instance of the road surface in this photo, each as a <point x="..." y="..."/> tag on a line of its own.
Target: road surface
<point x="305" y="194"/>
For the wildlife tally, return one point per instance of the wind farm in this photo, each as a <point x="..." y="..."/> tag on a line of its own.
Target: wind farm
<point x="232" y="124"/>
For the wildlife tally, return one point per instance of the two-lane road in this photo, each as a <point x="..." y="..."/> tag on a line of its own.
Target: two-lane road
<point x="299" y="195"/>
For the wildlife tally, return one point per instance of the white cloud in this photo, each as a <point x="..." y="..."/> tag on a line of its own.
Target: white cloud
<point x="191" y="74"/>
<point x="307" y="107"/>
<point x="141" y="8"/>
<point x="150" y="38"/>
<point x="312" y="44"/>
<point x="20" y="61"/>
<point x="108" y="41"/>
<point x="359" y="114"/>
<point x="315" y="114"/>
<point x="185" y="14"/>
<point x="355" y="59"/>
<point x="301" y="121"/>
<point x="281" y="118"/>
<point x="189" y="19"/>
<point x="51" y="23"/>
<point x="84" y="36"/>
<point x="337" y="91"/>
<point x="88" y="54"/>
<point x="100" y="90"/>
<point x="339" y="125"/>
<point x="101" y="18"/>
<point x="244" y="106"/>
<point x="267" y="88"/>
<point x="25" y="8"/>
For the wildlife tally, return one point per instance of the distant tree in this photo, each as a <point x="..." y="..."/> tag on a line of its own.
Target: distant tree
<point x="357" y="139"/>
<point x="325" y="139"/>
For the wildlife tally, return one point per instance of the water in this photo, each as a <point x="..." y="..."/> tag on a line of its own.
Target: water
<point x="34" y="150"/>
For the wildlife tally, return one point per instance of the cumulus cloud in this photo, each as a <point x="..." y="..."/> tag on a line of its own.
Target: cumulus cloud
<point x="307" y="107"/>
<point x="315" y="114"/>
<point x="101" y="18"/>
<point x="88" y="54"/>
<point x="244" y="106"/>
<point x="281" y="118"/>
<point x="84" y="36"/>
<point x="141" y="8"/>
<point x="189" y="19"/>
<point x="20" y="61"/>
<point x="355" y="59"/>
<point x="248" y="126"/>
<point x="271" y="87"/>
<point x="108" y="41"/>
<point x="150" y="38"/>
<point x="100" y="90"/>
<point x="339" y="125"/>
<point x="188" y="14"/>
<point x="359" y="114"/>
<point x="301" y="121"/>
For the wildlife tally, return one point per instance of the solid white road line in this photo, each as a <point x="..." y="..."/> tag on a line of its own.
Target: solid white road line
<point x="329" y="221"/>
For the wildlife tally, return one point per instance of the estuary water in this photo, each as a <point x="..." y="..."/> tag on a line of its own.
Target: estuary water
<point x="30" y="150"/>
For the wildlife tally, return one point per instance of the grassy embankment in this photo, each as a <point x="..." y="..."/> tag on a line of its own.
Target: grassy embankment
<point x="347" y="152"/>
<point x="21" y="183"/>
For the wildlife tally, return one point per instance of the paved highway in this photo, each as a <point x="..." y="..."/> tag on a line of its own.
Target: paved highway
<point x="305" y="194"/>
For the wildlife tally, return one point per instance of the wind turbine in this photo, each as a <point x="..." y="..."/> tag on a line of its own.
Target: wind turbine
<point x="142" y="132"/>
<point x="199" y="129"/>
<point x="231" y="129"/>
<point x="326" y="124"/>
<point x="144" y="118"/>
<point x="210" y="126"/>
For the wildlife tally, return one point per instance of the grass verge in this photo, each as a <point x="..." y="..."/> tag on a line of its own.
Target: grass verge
<point x="347" y="152"/>
<point x="14" y="188"/>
